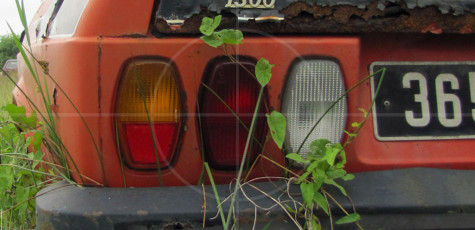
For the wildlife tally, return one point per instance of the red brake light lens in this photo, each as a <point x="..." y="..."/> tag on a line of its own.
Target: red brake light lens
<point x="140" y="141"/>
<point x="223" y="136"/>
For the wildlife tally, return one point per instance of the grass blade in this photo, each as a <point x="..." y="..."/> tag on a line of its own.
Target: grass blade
<point x="218" y="201"/>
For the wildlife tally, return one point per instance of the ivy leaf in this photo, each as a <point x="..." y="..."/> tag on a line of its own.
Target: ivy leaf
<point x="318" y="147"/>
<point x="312" y="166"/>
<point x="263" y="71"/>
<point x="355" y="124"/>
<point x="321" y="201"/>
<point x="307" y="193"/>
<point x="341" y="159"/>
<point x="332" y="182"/>
<point x="315" y="225"/>
<point x="318" y="180"/>
<point x="330" y="155"/>
<point x="365" y="113"/>
<point x="232" y="37"/>
<point x="296" y="157"/>
<point x="276" y="122"/>
<point x="350" y="134"/>
<point x="208" y="25"/>
<point x="213" y="40"/>
<point x="38" y="139"/>
<point x="303" y="177"/>
<point x="333" y="173"/>
<point x="353" y="217"/>
<point x="348" y="177"/>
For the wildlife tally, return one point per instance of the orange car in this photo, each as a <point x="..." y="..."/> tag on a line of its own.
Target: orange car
<point x="414" y="159"/>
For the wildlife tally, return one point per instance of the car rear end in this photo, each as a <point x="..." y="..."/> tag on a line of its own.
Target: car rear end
<point x="151" y="93"/>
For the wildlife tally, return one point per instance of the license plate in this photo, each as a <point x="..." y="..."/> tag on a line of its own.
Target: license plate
<point x="424" y="100"/>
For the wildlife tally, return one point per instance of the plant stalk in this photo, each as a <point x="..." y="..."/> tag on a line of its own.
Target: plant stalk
<point x="246" y="150"/>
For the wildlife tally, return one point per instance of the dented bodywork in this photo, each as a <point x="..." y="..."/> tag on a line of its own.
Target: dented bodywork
<point x="322" y="16"/>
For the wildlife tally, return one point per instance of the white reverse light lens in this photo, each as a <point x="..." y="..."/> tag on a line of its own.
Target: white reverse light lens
<point x="313" y="86"/>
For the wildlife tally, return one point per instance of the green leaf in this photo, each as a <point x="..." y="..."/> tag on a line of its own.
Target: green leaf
<point x="341" y="159"/>
<point x="303" y="177"/>
<point x="37" y="157"/>
<point x="267" y="226"/>
<point x="350" y="134"/>
<point x="291" y="210"/>
<point x="321" y="201"/>
<point x="330" y="155"/>
<point x="276" y="122"/>
<point x="312" y="166"/>
<point x="231" y="37"/>
<point x="348" y="177"/>
<point x="349" y="219"/>
<point x="296" y="157"/>
<point x="365" y="113"/>
<point x="213" y="40"/>
<point x="38" y="139"/>
<point x="355" y="124"/>
<point x="307" y="193"/>
<point x="318" y="179"/>
<point x="263" y="71"/>
<point x="315" y="225"/>
<point x="6" y="178"/>
<point x="334" y="173"/>
<point x="332" y="182"/>
<point x="18" y="114"/>
<point x="21" y="195"/>
<point x="208" y="25"/>
<point x="317" y="147"/>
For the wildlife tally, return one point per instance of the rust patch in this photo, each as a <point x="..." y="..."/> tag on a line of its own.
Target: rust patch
<point x="142" y="212"/>
<point x="303" y="18"/>
<point x="97" y="213"/>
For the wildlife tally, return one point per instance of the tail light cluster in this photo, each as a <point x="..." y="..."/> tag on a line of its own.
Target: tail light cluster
<point x="312" y="87"/>
<point x="148" y="109"/>
<point x="223" y="136"/>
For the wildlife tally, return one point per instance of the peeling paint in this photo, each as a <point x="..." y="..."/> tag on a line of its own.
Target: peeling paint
<point x="324" y="16"/>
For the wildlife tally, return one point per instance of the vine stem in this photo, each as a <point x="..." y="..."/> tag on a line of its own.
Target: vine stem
<point x="246" y="150"/>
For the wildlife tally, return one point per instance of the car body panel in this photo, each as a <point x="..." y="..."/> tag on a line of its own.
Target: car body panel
<point x="111" y="34"/>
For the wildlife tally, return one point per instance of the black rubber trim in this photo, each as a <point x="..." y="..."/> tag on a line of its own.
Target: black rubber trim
<point x="418" y="198"/>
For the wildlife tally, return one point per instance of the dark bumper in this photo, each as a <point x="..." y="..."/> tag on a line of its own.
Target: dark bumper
<point x="420" y="198"/>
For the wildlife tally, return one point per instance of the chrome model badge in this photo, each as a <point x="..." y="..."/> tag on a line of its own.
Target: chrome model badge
<point x="253" y="4"/>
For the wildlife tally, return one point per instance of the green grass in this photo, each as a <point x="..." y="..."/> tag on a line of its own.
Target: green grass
<point x="6" y="87"/>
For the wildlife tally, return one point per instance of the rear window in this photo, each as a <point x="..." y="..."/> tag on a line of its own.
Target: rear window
<point x="67" y="18"/>
<point x="10" y="64"/>
<point x="60" y="19"/>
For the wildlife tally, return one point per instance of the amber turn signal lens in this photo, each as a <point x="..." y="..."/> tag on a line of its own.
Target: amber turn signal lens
<point x="147" y="114"/>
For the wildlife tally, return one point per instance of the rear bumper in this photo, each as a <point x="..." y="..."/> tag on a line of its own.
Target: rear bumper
<point x="419" y="198"/>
